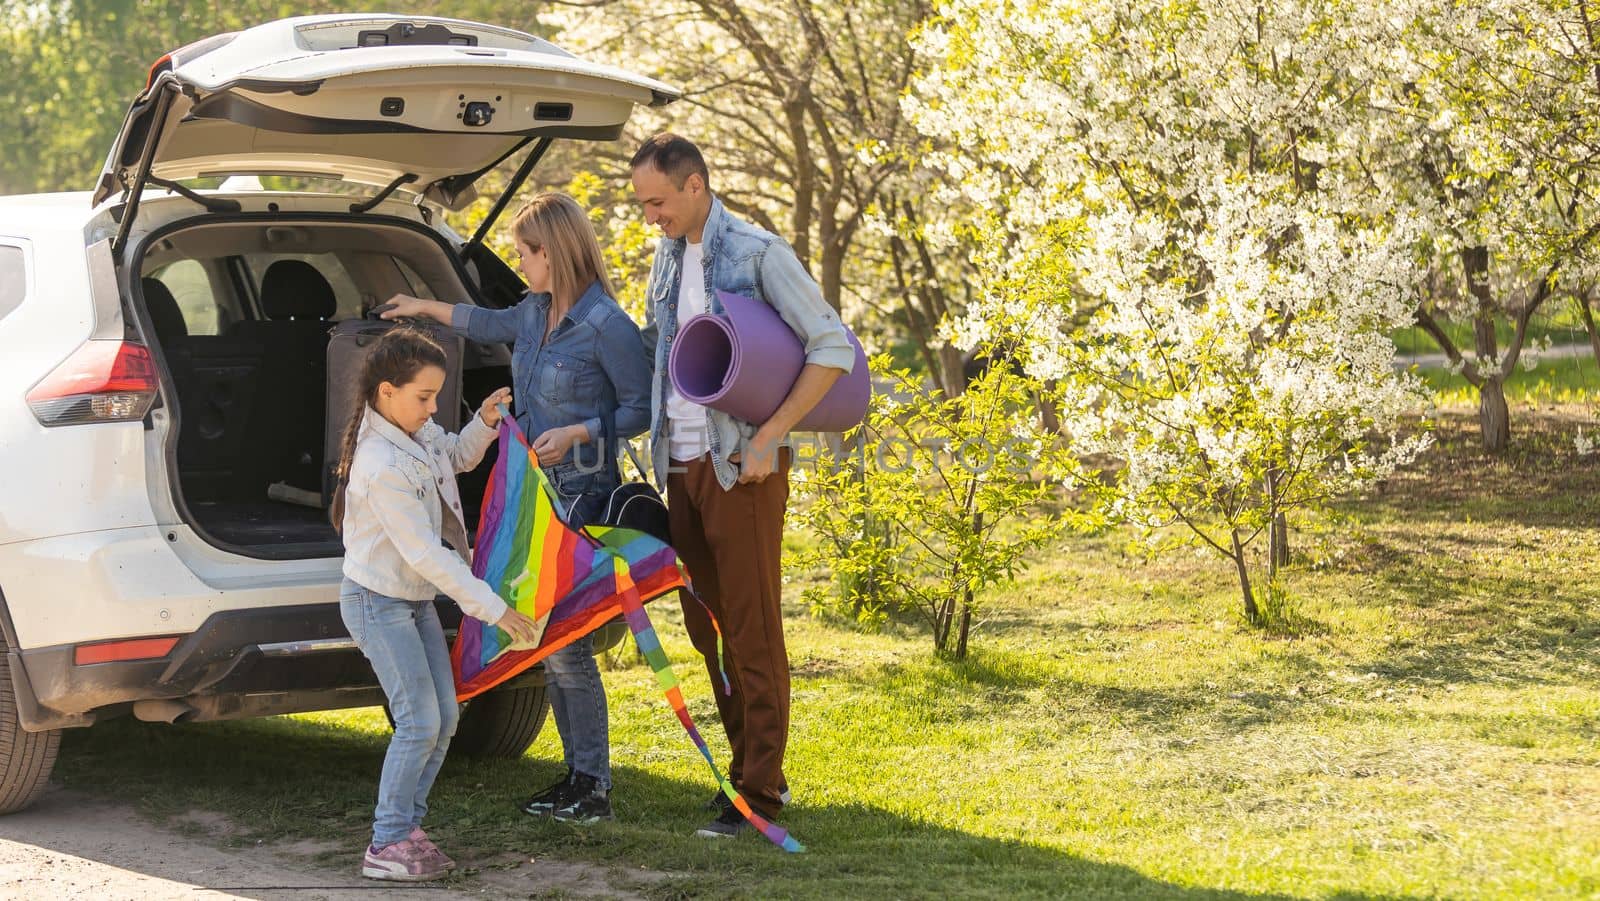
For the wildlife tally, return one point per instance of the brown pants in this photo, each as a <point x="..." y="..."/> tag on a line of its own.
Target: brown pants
<point x="732" y="543"/>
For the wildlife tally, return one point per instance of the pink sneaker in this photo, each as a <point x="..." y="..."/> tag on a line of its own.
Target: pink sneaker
<point x="402" y="861"/>
<point x="421" y="840"/>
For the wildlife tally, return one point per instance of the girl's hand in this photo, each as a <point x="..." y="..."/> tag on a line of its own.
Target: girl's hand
<point x="553" y="445"/>
<point x="490" y="409"/>
<point x="521" y="628"/>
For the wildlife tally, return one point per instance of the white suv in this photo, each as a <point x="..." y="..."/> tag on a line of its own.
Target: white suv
<point x="164" y="544"/>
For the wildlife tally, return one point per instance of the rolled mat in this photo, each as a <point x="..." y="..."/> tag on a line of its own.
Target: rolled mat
<point x="744" y="361"/>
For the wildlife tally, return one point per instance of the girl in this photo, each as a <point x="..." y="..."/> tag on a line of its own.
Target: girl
<point x="583" y="380"/>
<point x="395" y="502"/>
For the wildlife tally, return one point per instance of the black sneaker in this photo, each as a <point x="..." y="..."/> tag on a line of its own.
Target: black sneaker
<point x="545" y="802"/>
<point x="730" y="823"/>
<point x="586" y="805"/>
<point x="720" y="801"/>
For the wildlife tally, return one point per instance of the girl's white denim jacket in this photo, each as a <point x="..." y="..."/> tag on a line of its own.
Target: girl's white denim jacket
<point x="401" y="500"/>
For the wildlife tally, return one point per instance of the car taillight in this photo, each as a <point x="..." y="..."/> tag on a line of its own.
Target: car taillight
<point x="103" y="381"/>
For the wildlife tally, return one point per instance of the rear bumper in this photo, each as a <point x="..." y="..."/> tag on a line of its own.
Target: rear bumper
<point x="239" y="663"/>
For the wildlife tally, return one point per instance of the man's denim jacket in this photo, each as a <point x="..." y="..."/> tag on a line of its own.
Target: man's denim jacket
<point x="739" y="259"/>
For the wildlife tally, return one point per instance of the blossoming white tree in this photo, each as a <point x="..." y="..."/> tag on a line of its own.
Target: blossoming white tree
<point x="1484" y="125"/>
<point x="797" y="107"/>
<point x="1178" y="169"/>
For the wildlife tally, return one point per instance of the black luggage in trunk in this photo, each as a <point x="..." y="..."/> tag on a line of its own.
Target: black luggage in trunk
<point x="348" y="347"/>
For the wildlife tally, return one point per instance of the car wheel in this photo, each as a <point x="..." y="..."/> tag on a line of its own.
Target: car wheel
<point x="501" y="723"/>
<point x="609" y="635"/>
<point x="26" y="758"/>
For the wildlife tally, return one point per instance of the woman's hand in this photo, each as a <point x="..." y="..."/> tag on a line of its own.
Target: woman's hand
<point x="521" y="628"/>
<point x="406" y="305"/>
<point x="553" y="445"/>
<point x="489" y="412"/>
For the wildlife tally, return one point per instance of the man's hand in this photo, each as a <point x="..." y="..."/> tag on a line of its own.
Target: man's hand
<point x="761" y="457"/>
<point x="489" y="412"/>
<point x="552" y="446"/>
<point x="758" y="461"/>
<point x="406" y="305"/>
<point x="520" y="627"/>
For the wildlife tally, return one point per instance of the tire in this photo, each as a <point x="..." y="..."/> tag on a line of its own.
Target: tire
<point x="501" y="723"/>
<point x="609" y="636"/>
<point x="26" y="758"/>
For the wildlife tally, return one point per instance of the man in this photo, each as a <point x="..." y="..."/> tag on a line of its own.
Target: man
<point x="727" y="479"/>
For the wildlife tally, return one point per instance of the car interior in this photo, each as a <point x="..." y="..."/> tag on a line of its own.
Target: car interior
<point x="242" y="313"/>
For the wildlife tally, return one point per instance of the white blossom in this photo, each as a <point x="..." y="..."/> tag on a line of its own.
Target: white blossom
<point x="1210" y="289"/>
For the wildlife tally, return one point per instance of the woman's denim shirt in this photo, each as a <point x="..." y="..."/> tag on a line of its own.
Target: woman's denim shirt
<point x="591" y="367"/>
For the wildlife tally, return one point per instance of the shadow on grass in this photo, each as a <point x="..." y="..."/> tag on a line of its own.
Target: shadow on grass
<point x="1502" y="626"/>
<point x="292" y="780"/>
<point x="1539" y="481"/>
<point x="973" y="690"/>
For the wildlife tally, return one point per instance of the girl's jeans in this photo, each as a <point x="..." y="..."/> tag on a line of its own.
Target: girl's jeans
<point x="405" y="644"/>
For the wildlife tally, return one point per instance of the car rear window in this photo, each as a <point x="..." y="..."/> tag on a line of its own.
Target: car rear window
<point x="13" y="279"/>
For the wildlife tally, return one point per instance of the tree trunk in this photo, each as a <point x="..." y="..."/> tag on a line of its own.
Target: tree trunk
<point x="966" y="627"/>
<point x="942" y="358"/>
<point x="1251" y="612"/>
<point x="966" y="597"/>
<point x="951" y="377"/>
<point x="1494" y="417"/>
<point x="1582" y="301"/>
<point x="1278" y="531"/>
<point x="942" y="622"/>
<point x="835" y="247"/>
<point x="805" y="180"/>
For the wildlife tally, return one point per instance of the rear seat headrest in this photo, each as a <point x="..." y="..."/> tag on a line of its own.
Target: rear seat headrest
<point x="163" y="308"/>
<point x="294" y="289"/>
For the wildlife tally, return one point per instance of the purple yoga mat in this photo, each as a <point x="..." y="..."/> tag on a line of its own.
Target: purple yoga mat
<point x="744" y="362"/>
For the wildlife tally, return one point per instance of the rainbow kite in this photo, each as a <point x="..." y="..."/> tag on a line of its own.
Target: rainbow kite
<point x="572" y="582"/>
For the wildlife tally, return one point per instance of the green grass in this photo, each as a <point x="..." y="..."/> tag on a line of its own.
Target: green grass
<point x="1560" y="380"/>
<point x="1432" y="730"/>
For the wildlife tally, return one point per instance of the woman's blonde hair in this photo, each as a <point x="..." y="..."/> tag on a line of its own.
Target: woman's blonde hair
<point x="554" y="221"/>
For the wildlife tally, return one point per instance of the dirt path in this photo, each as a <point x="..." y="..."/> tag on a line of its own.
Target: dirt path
<point x="69" y="846"/>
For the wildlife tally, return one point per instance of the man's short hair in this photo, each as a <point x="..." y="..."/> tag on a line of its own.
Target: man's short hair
<point x="675" y="156"/>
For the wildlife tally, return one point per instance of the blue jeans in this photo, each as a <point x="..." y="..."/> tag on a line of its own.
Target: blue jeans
<point x="405" y="644"/>
<point x="577" y="696"/>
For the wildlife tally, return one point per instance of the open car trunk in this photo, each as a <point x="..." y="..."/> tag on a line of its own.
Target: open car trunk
<point x="241" y="305"/>
<point x="241" y="309"/>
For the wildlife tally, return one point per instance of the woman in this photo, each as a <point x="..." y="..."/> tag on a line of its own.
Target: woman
<point x="579" y="372"/>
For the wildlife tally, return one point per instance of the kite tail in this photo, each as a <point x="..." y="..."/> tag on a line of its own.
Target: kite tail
<point x="727" y="687"/>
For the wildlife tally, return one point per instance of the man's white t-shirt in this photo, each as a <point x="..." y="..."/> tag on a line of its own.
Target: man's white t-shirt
<point x="686" y="421"/>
